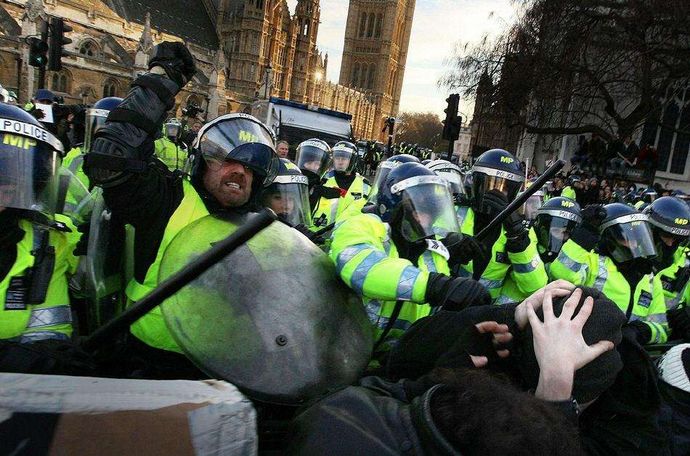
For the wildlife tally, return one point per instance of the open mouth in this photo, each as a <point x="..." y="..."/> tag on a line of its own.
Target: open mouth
<point x="233" y="185"/>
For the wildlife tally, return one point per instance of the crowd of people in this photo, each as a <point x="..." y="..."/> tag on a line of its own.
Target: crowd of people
<point x="528" y="333"/>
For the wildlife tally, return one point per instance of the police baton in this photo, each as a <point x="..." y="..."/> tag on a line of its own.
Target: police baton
<point x="521" y="198"/>
<point x="178" y="280"/>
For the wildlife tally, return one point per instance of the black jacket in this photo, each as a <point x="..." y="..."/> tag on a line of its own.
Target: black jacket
<point x="376" y="419"/>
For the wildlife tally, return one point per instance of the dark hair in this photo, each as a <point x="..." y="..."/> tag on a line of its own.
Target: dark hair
<point x="482" y="415"/>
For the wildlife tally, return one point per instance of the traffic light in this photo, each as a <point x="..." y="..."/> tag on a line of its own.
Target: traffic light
<point x="38" y="52"/>
<point x="451" y="111"/>
<point x="56" y="42"/>
<point x="455" y="128"/>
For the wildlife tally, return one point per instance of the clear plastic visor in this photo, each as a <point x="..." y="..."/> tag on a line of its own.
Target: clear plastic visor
<point x="289" y="201"/>
<point x="531" y="206"/>
<point x="627" y="241"/>
<point x="552" y="232"/>
<point x="382" y="172"/>
<point x="95" y="119"/>
<point x="313" y="159"/>
<point x="28" y="174"/>
<point x="342" y="159"/>
<point x="428" y="212"/>
<point x="454" y="180"/>
<point x="172" y="130"/>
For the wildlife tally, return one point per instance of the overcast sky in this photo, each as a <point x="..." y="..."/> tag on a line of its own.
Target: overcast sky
<point x="437" y="26"/>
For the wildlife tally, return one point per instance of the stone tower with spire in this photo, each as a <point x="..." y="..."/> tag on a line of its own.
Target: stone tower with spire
<point x="377" y="38"/>
<point x="306" y="28"/>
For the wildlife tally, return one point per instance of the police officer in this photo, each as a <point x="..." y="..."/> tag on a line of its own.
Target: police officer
<point x="555" y="220"/>
<point x="569" y="190"/>
<point x="314" y="158"/>
<point x="647" y="197"/>
<point x="288" y="195"/>
<point x="620" y="266"/>
<point x="393" y="257"/>
<point x="234" y="158"/>
<point x="513" y="270"/>
<point x="35" y="253"/>
<point x="382" y="171"/>
<point x="669" y="218"/>
<point x="169" y="149"/>
<point x="76" y="197"/>
<point x="354" y="189"/>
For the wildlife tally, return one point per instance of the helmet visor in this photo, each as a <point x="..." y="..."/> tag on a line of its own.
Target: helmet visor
<point x="532" y="205"/>
<point x="312" y="157"/>
<point x="552" y="232"/>
<point x="172" y="130"/>
<point x="28" y="174"/>
<point x="241" y="140"/>
<point x="288" y="197"/>
<point x="483" y="183"/>
<point x="427" y="208"/>
<point x="382" y="172"/>
<point x="454" y="179"/>
<point x="629" y="240"/>
<point x="343" y="160"/>
<point x="95" y="119"/>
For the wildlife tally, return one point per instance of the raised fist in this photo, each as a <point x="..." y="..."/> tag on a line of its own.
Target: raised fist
<point x="175" y="59"/>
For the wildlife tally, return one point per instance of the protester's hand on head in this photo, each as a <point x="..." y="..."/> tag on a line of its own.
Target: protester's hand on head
<point x="500" y="337"/>
<point x="558" y="289"/>
<point x="559" y="346"/>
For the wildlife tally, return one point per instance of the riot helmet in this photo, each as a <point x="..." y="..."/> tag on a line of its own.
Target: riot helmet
<point x="95" y="118"/>
<point x="452" y="174"/>
<point x="532" y="205"/>
<point x="314" y="158"/>
<point x="426" y="162"/>
<point x="29" y="163"/>
<point x="288" y="195"/>
<point x="345" y="157"/>
<point x="171" y="129"/>
<point x="496" y="171"/>
<point x="670" y="220"/>
<point x="384" y="169"/>
<point x="417" y="203"/>
<point x="236" y="138"/>
<point x="553" y="224"/>
<point x="626" y="234"/>
<point x="240" y="138"/>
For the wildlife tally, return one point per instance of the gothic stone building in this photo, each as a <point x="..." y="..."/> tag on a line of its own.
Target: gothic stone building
<point x="244" y="49"/>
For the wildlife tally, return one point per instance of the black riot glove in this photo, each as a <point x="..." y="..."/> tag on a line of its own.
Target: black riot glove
<point x="586" y="235"/>
<point x="679" y="322"/>
<point x="516" y="232"/>
<point x="312" y="236"/>
<point x="495" y="202"/>
<point x="463" y="249"/>
<point x="455" y="293"/>
<point x="175" y="59"/>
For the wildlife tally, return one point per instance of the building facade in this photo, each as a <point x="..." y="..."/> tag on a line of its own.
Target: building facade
<point x="245" y="50"/>
<point x="377" y="39"/>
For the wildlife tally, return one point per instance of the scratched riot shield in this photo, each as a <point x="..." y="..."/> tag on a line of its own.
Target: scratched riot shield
<point x="103" y="265"/>
<point x="272" y="317"/>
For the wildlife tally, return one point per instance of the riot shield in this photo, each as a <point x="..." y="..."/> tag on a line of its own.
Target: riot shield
<point x="103" y="265"/>
<point x="74" y="199"/>
<point x="272" y="317"/>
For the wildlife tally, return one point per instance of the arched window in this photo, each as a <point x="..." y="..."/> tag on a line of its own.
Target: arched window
<point x="61" y="82"/>
<point x="355" y="75"/>
<point x="110" y="88"/>
<point x="362" y="24"/>
<point x="379" y="24"/>
<point x="372" y="76"/>
<point x="370" y="25"/>
<point x="88" y="49"/>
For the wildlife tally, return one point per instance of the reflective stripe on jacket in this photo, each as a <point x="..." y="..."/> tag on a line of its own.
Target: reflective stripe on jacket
<point x="51" y="319"/>
<point x="368" y="262"/>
